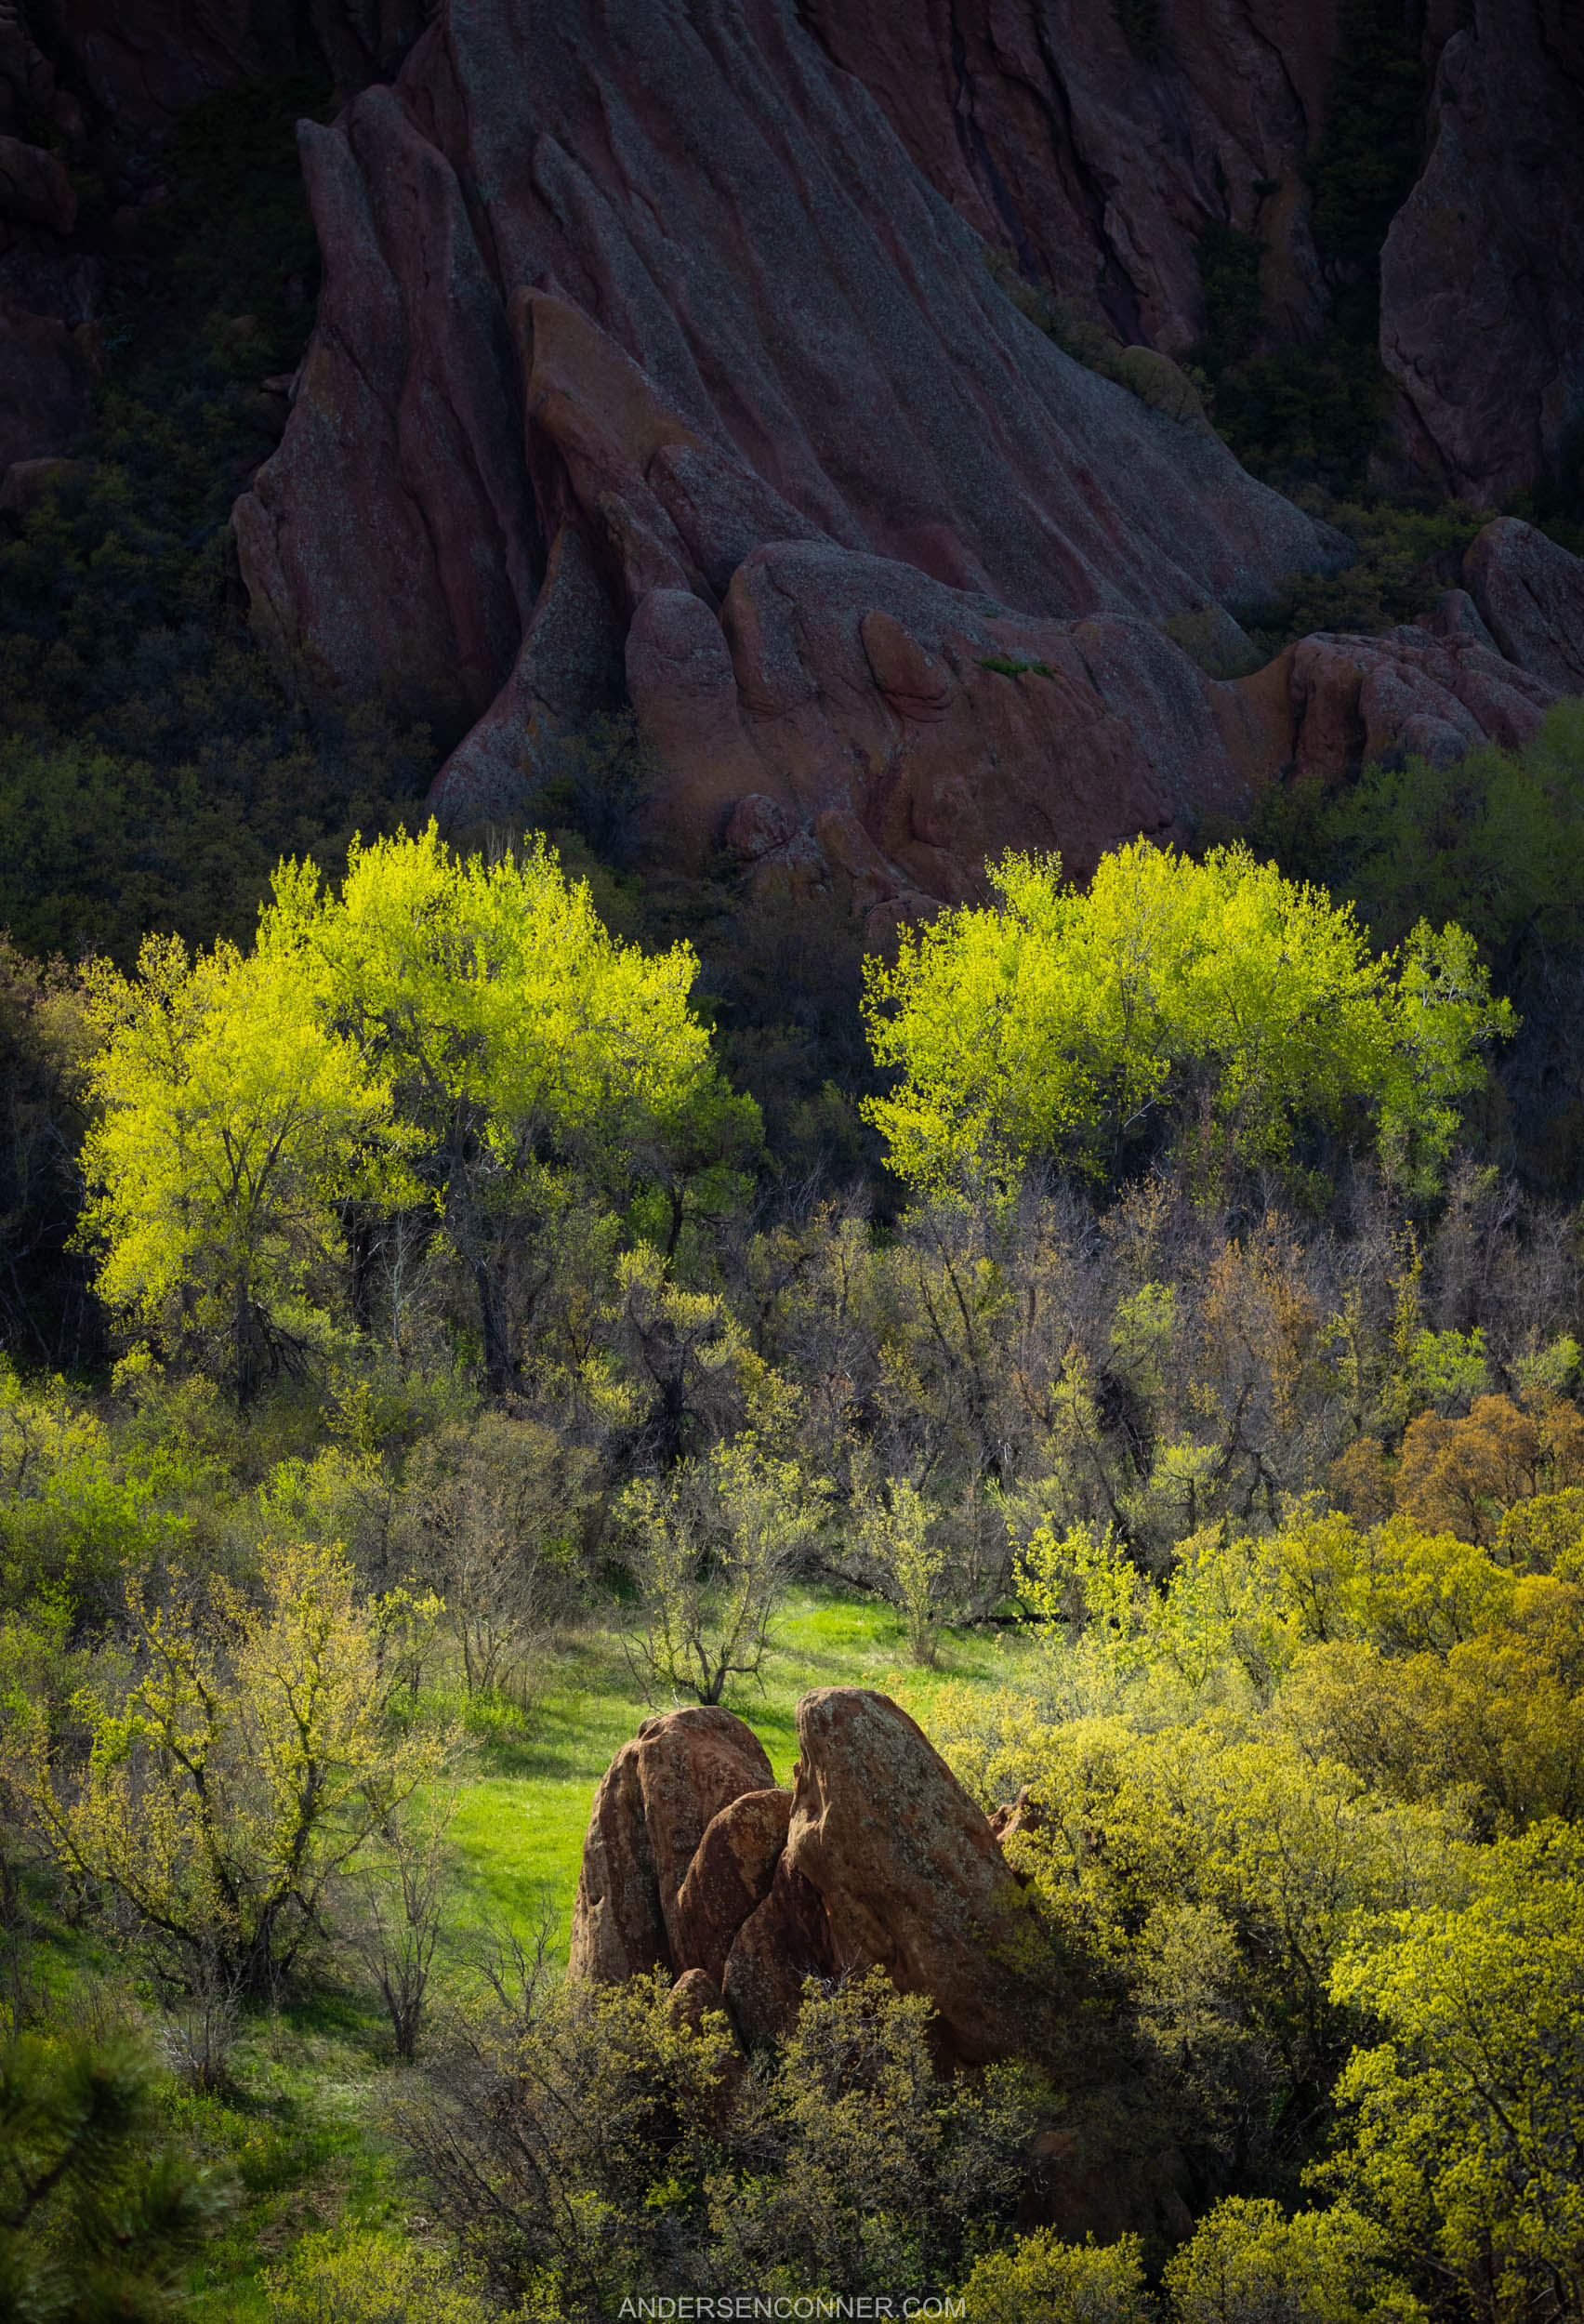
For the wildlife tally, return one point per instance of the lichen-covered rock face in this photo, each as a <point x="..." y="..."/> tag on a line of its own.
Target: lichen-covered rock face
<point x="914" y="1881"/>
<point x="654" y="1805"/>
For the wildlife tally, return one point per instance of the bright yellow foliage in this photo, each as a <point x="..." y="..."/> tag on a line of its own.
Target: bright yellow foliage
<point x="1057" y="1021"/>
<point x="1467" y="2120"/>
<point x="372" y="2276"/>
<point x="1249" y="2263"/>
<point x="230" y="1119"/>
<point x="1042" y="2280"/>
<point x="490" y="995"/>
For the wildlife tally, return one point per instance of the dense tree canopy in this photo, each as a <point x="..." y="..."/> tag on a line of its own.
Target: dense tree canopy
<point x="532" y="1057"/>
<point x="1064" y="1022"/>
<point x="1467" y="2121"/>
<point x="229" y="1120"/>
<point x="441" y="1041"/>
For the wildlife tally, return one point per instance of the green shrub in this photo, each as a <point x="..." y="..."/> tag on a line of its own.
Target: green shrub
<point x="1005" y="667"/>
<point x="1404" y="559"/>
<point x="1249" y="2263"/>
<point x="372" y="2276"/>
<point x="1041" y="2280"/>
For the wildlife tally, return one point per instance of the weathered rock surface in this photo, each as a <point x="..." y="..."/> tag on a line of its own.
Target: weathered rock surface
<point x="1530" y="595"/>
<point x="1482" y="276"/>
<point x="34" y="189"/>
<point x="1484" y="666"/>
<point x="25" y="483"/>
<point x="657" y="356"/>
<point x="145" y="61"/>
<point x="913" y="1880"/>
<point x="885" y="587"/>
<point x="1098" y="168"/>
<point x="785" y="1941"/>
<point x="1357" y="700"/>
<point x="691" y="1765"/>
<point x="29" y="99"/>
<point x="1096" y="161"/>
<point x="844" y="723"/>
<point x="653" y="1807"/>
<point x="617" y="1930"/>
<point x="729" y="1876"/>
<point x="44" y="399"/>
<point x="878" y="1858"/>
<point x="741" y="319"/>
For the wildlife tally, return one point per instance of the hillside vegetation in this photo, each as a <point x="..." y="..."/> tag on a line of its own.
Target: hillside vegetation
<point x="456" y="1302"/>
<point x="1191" y="1437"/>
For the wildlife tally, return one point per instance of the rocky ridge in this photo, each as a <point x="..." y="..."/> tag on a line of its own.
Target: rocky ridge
<point x="761" y="445"/>
<point x="657" y="360"/>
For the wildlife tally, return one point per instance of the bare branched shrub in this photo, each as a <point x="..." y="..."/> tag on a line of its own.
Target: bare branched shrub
<point x="400" y="1910"/>
<point x="711" y="1548"/>
<point x="490" y="1520"/>
<point x="198" y="2025"/>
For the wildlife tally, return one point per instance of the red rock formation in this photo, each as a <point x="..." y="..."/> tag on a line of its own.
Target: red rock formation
<point x="730" y="1876"/>
<point x="691" y="2000"/>
<point x="1097" y="161"/>
<point x="786" y="1940"/>
<point x="1530" y="594"/>
<point x="653" y="1807"/>
<point x="878" y="1858"/>
<point x="29" y="99"/>
<point x="845" y="723"/>
<point x="617" y="1927"/>
<point x="144" y="62"/>
<point x="741" y="320"/>
<point x="913" y="1880"/>
<point x="658" y="356"/>
<point x="1098" y="168"/>
<point x="555" y="436"/>
<point x="691" y="1765"/>
<point x="1482" y="277"/>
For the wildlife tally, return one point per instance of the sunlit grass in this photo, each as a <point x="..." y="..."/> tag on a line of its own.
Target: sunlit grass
<point x="300" y="2132"/>
<point x="526" y="1789"/>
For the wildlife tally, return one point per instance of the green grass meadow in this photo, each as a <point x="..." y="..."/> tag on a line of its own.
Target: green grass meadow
<point x="301" y="2129"/>
<point x="527" y="1788"/>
